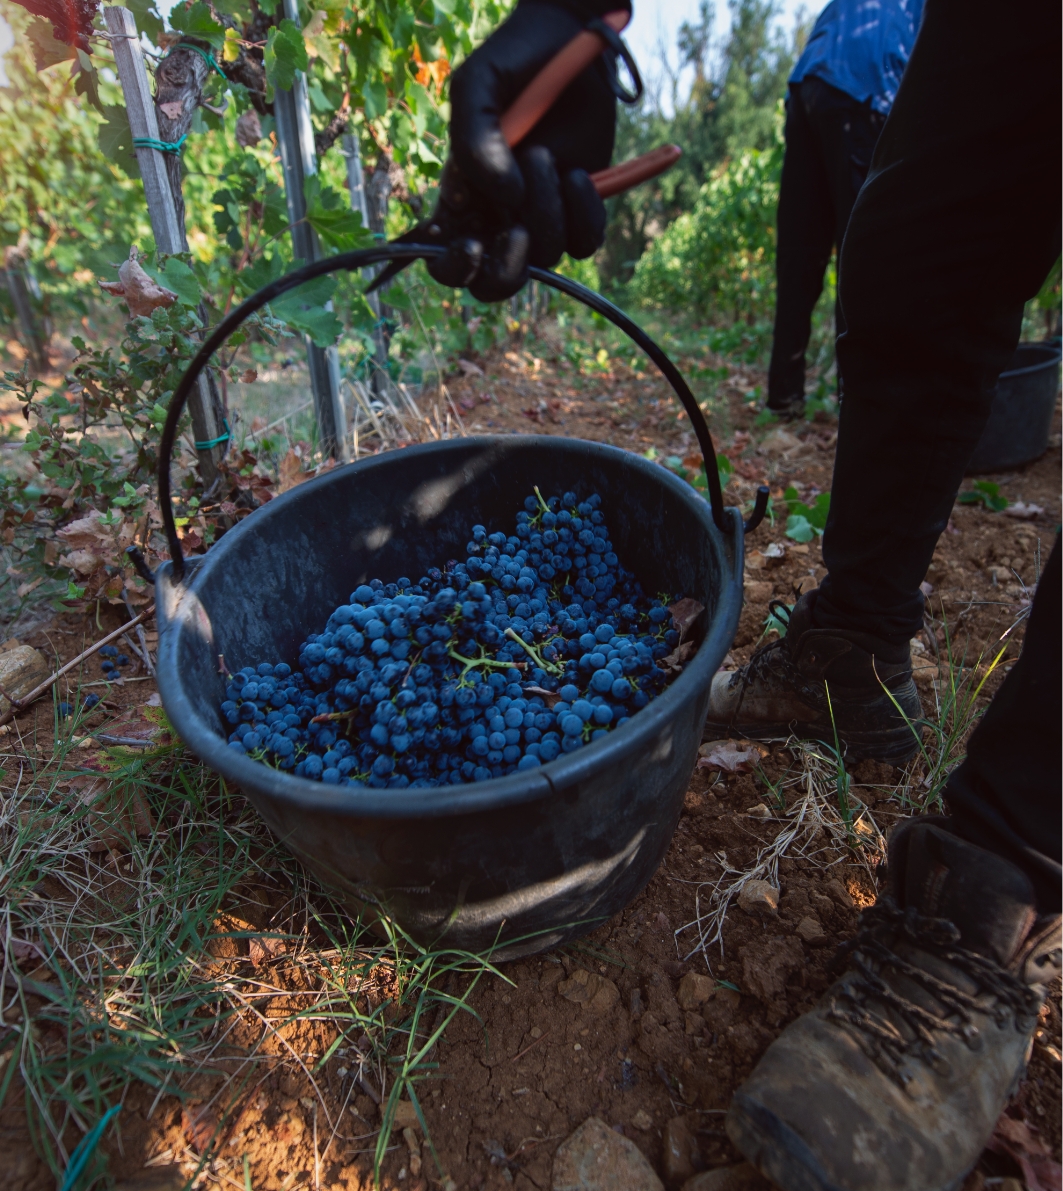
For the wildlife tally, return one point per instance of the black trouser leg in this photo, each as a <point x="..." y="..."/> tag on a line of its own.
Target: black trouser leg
<point x="829" y="141"/>
<point x="1006" y="794"/>
<point x="955" y="228"/>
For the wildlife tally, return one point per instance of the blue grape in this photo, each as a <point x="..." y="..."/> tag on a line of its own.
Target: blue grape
<point x="404" y="709"/>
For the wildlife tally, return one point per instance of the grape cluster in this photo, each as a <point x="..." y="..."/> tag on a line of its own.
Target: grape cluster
<point x="537" y="644"/>
<point x="110" y="660"/>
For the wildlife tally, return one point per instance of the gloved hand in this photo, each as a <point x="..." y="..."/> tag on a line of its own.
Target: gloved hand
<point x="501" y="210"/>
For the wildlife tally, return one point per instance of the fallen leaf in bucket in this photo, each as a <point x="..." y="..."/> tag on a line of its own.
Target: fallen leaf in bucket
<point x="1017" y="1140"/>
<point x="685" y="615"/>
<point x="142" y="295"/>
<point x="550" y="698"/>
<point x="1023" y="512"/>
<point x="732" y="756"/>
<point x="265" y="948"/>
<point x="677" y="659"/>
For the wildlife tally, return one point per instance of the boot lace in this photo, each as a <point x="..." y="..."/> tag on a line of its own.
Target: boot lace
<point x="772" y="660"/>
<point x="868" y="954"/>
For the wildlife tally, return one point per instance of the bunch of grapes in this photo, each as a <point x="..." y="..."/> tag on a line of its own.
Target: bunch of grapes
<point x="536" y="645"/>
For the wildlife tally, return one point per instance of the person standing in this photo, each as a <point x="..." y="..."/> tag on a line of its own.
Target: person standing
<point x="841" y="91"/>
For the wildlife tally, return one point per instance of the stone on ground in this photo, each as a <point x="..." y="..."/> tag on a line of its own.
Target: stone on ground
<point x="759" y="897"/>
<point x="596" y="1158"/>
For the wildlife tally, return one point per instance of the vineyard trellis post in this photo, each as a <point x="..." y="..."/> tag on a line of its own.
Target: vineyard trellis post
<point x="356" y="184"/>
<point x="207" y="426"/>
<point x="295" y="138"/>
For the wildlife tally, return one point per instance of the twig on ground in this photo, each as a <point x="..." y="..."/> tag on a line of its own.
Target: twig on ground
<point x="37" y="691"/>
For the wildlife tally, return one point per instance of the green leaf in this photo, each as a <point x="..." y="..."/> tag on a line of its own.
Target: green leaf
<point x="285" y="54"/>
<point x="148" y="19"/>
<point x="176" y="275"/>
<point x="275" y="210"/>
<point x="116" y="140"/>
<point x="304" y="310"/>
<point x="375" y="95"/>
<point x="329" y="213"/>
<point x="197" y="20"/>
<point x="47" y="51"/>
<point x="799" y="528"/>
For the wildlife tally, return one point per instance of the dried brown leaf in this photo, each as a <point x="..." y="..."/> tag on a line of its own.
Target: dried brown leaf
<point x="1016" y="1139"/>
<point x="732" y="756"/>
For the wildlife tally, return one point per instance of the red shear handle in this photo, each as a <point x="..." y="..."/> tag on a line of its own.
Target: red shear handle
<point x="540" y="94"/>
<point x="619" y="178"/>
<point x="538" y="97"/>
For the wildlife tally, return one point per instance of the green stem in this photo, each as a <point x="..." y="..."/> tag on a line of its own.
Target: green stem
<point x="472" y="663"/>
<point x="533" y="653"/>
<point x="539" y="497"/>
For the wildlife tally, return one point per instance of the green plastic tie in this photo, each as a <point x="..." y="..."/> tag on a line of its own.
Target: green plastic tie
<point x="149" y="142"/>
<point x="216" y="442"/>
<point x="79" y="1158"/>
<point x="206" y="55"/>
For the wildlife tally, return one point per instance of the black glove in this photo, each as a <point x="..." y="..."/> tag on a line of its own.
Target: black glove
<point x="501" y="210"/>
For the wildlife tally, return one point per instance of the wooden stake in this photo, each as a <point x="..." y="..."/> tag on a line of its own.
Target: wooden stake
<point x="169" y="234"/>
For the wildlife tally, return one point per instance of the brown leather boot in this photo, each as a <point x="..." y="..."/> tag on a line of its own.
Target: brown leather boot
<point x="896" y="1080"/>
<point x="783" y="690"/>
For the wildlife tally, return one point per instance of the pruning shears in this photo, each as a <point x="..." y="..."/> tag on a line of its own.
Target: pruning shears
<point x="529" y="108"/>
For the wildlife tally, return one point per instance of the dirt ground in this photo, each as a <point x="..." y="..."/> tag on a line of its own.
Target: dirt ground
<point x="648" y="1054"/>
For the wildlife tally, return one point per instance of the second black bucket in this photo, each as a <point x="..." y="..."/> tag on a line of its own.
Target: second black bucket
<point x="1021" y="417"/>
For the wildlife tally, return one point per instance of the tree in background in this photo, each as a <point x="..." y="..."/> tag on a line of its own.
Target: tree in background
<point x="730" y="107"/>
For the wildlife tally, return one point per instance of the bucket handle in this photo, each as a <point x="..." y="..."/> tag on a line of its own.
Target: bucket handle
<point x="360" y="259"/>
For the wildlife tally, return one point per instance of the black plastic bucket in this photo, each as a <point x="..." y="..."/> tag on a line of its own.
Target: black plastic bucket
<point x="523" y="862"/>
<point x="1021" y="416"/>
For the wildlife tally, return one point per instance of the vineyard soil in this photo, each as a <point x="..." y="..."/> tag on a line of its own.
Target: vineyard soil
<point x="653" y="1055"/>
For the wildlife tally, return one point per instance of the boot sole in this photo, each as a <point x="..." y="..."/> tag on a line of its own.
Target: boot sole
<point x="774" y="1149"/>
<point x="894" y="746"/>
<point x="779" y="1154"/>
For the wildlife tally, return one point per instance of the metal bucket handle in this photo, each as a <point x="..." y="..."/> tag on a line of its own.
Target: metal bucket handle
<point x="360" y="259"/>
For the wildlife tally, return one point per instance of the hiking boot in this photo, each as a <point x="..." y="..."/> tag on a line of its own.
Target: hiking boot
<point x="787" y="409"/>
<point x="783" y="690"/>
<point x="896" y="1080"/>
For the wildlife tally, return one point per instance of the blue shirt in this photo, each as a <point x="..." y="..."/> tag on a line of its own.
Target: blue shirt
<point x="862" y="47"/>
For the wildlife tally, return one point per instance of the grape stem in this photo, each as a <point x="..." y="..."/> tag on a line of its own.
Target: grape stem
<point x="472" y="663"/>
<point x="539" y="497"/>
<point x="533" y="653"/>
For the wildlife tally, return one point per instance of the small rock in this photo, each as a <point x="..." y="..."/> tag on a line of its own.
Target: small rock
<point x="840" y="894"/>
<point x="536" y="1032"/>
<point x="681" y="1155"/>
<point x="595" y="1158"/>
<point x="593" y="992"/>
<point x="760" y="811"/>
<point x="743" y="1177"/>
<point x="405" y="1117"/>
<point x="759" y="897"/>
<point x="695" y="1023"/>
<point x="22" y="669"/>
<point x="642" y="1120"/>
<point x="811" y="930"/>
<point x="694" y="990"/>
